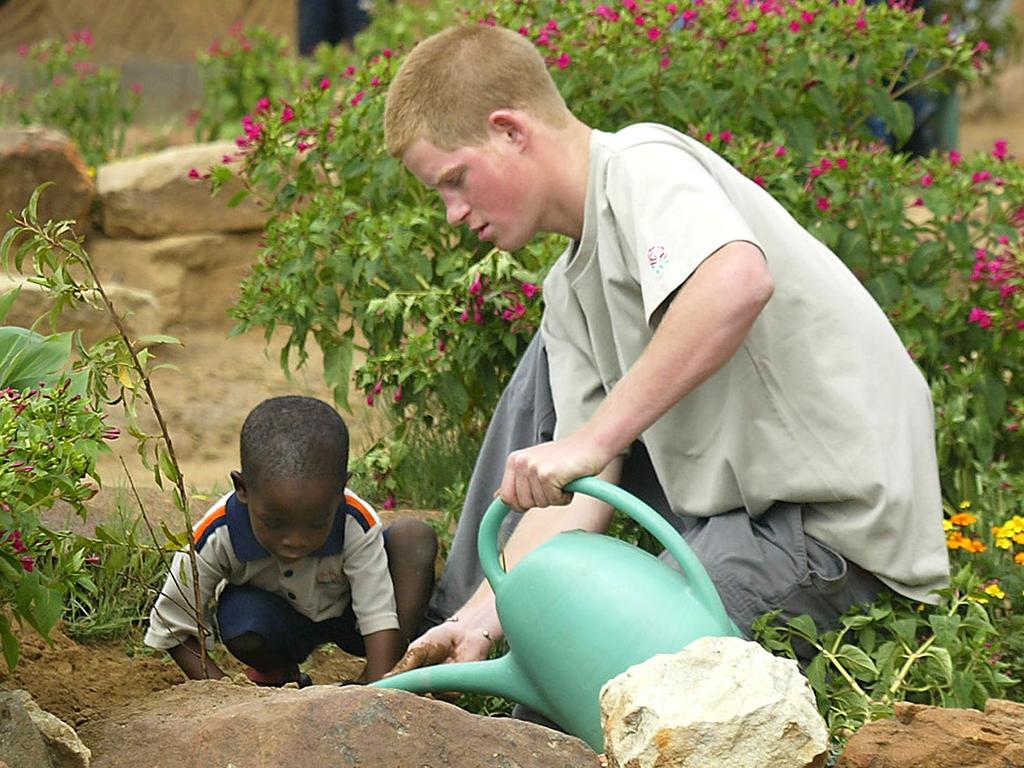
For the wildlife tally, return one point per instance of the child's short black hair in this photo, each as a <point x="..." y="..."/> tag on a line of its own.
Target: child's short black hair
<point x="294" y="436"/>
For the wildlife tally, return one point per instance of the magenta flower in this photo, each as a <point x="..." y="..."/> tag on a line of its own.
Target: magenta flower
<point x="689" y="15"/>
<point x="807" y="17"/>
<point x="354" y="101"/>
<point x="552" y="25"/>
<point x="822" y="204"/>
<point x="350" y="71"/>
<point x="862" y="22"/>
<point x="193" y="173"/>
<point x="28" y="563"/>
<point x="263" y="104"/>
<point x="514" y="313"/>
<point x="780" y="151"/>
<point x="390" y="502"/>
<point x="397" y="397"/>
<point x="665" y="61"/>
<point x="524" y="31"/>
<point x="640" y="21"/>
<point x="759" y="180"/>
<point x="954" y="158"/>
<point x="375" y="81"/>
<point x="725" y="136"/>
<point x="979" y="316"/>
<point x="92" y="560"/>
<point x="325" y="84"/>
<point x="999" y="149"/>
<point x="795" y="26"/>
<point x="980" y="176"/>
<point x="369" y="400"/>
<point x="136" y="88"/>
<point x="287" y="115"/>
<point x="927" y="180"/>
<point x="751" y="27"/>
<point x="606" y="13"/>
<point x="653" y="34"/>
<point x="564" y="61"/>
<point x="387" y="53"/>
<point x="629" y="5"/>
<point x="477" y="285"/>
<point x="529" y="290"/>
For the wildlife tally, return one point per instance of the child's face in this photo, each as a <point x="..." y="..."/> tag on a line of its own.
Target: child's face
<point x="483" y="187"/>
<point x="291" y="518"/>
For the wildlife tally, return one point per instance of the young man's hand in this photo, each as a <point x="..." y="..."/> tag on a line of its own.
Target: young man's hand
<point x="448" y="642"/>
<point x="536" y="477"/>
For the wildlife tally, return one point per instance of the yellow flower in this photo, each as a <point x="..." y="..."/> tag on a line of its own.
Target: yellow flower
<point x="965" y="504"/>
<point x="1003" y="543"/>
<point x="963" y="518"/>
<point x="946" y="524"/>
<point x="995" y="591"/>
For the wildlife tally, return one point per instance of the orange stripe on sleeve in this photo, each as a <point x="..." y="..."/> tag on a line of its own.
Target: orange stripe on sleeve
<point x="209" y="519"/>
<point x="358" y="505"/>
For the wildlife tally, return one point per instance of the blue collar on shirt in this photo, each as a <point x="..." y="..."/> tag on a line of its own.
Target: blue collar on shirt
<point x="248" y="548"/>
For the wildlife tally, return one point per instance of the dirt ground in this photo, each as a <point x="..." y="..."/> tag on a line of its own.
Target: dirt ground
<point x="219" y="381"/>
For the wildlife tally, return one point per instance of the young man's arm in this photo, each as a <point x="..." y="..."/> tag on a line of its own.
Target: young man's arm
<point x="704" y="325"/>
<point x="468" y="635"/>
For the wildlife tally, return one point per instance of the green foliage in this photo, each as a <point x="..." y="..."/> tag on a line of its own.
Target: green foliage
<point x="898" y="650"/>
<point x="70" y="92"/>
<point x="49" y="440"/>
<point x="114" y="370"/>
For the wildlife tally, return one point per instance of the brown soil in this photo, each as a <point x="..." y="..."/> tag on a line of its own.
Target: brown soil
<point x="218" y="382"/>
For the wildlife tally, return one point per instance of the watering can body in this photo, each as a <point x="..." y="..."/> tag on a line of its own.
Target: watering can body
<point x="579" y="610"/>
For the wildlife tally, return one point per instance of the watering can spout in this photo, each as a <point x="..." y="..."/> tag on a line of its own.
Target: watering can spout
<point x="496" y="677"/>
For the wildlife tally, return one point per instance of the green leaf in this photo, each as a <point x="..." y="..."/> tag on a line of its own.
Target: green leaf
<point x="804" y="626"/>
<point x="238" y="197"/>
<point x="857" y="662"/>
<point x="923" y="257"/>
<point x="906" y="630"/>
<point x="9" y="643"/>
<point x="7" y="300"/>
<point x="27" y="358"/>
<point x="33" y="203"/>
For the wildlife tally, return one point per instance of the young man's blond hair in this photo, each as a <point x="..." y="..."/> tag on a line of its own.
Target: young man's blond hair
<point x="450" y="83"/>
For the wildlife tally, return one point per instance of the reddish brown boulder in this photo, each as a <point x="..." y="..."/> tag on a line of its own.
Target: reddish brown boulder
<point x="212" y="723"/>
<point x="30" y="156"/>
<point x="934" y="737"/>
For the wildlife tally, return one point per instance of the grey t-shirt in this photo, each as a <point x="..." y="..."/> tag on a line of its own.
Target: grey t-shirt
<point x="821" y="405"/>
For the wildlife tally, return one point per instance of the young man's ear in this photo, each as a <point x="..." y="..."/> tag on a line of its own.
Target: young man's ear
<point x="239" y="483"/>
<point x="511" y="125"/>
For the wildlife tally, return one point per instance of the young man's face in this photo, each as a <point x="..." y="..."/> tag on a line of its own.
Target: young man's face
<point x="484" y="187"/>
<point x="291" y="518"/>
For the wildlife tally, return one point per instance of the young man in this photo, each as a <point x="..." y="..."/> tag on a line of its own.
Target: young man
<point x="789" y="433"/>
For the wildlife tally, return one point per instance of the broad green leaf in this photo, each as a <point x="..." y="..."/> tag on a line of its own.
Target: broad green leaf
<point x="804" y="626"/>
<point x="857" y="663"/>
<point x="7" y="300"/>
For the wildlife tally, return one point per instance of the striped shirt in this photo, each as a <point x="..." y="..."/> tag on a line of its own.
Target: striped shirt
<point x="350" y="567"/>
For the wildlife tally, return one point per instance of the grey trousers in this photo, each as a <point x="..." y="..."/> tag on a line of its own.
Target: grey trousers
<point x="757" y="565"/>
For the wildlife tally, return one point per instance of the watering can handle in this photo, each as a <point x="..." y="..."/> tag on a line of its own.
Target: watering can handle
<point x="490" y="526"/>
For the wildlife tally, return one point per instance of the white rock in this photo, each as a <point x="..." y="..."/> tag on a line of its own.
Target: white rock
<point x="721" y="701"/>
<point x="65" y="748"/>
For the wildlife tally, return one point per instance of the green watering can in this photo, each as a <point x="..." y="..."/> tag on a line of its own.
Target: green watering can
<point x="578" y="610"/>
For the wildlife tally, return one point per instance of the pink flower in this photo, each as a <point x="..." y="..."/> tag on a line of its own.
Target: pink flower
<point x="606" y="13"/>
<point x="375" y="81"/>
<point x="302" y="146"/>
<point x="795" y="26"/>
<point x="287" y="115"/>
<point x="927" y="180"/>
<point x="193" y="173"/>
<point x="653" y="34"/>
<point x="862" y="23"/>
<point x="23" y="50"/>
<point x="979" y="316"/>
<point x="780" y="151"/>
<point x="357" y="98"/>
<point x="390" y="502"/>
<point x="350" y="71"/>
<point x="514" y="313"/>
<point x="263" y="104"/>
<point x="397" y="397"/>
<point x="981" y="47"/>
<point x="325" y="84"/>
<point x="227" y="159"/>
<point x="689" y="15"/>
<point x="725" y="136"/>
<point x="564" y="61"/>
<point x="92" y="560"/>
<point x="822" y="204"/>
<point x="672" y="8"/>
<point x="751" y="27"/>
<point x="552" y="25"/>
<point x="387" y="53"/>
<point x="759" y="180"/>
<point x="136" y="88"/>
<point x="665" y="61"/>
<point x="639" y="21"/>
<point x="477" y="285"/>
<point x="529" y="290"/>
<point x="999" y="150"/>
<point x="979" y="176"/>
<point x="954" y="158"/>
<point x="807" y="17"/>
<point x="629" y="5"/>
<point x="28" y="563"/>
<point x="524" y="31"/>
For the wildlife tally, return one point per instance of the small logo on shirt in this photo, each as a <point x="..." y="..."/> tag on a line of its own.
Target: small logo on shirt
<point x="657" y="259"/>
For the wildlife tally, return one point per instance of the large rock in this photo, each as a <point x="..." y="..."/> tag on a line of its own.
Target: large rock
<point x="21" y="744"/>
<point x="720" y="702"/>
<point x="214" y="723"/>
<point x="920" y="736"/>
<point x="66" y="750"/>
<point x="31" y="156"/>
<point x="153" y="196"/>
<point x="194" y="278"/>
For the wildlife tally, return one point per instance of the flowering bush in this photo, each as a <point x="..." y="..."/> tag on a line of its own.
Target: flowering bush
<point x="248" y="64"/>
<point x="70" y="92"/>
<point x="49" y="440"/>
